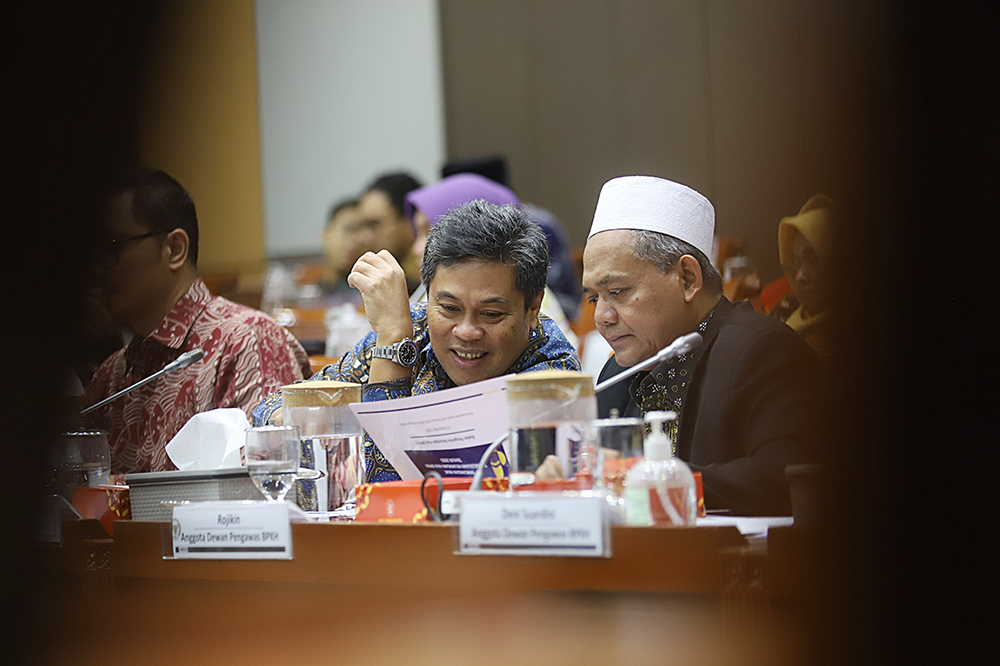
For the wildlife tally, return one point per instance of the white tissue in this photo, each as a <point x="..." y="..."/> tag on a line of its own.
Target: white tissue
<point x="210" y="440"/>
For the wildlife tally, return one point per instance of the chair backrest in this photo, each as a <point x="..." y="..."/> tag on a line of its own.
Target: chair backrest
<point x="320" y="362"/>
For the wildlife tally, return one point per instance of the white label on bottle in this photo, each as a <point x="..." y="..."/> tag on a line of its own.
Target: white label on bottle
<point x="637" y="506"/>
<point x="662" y="505"/>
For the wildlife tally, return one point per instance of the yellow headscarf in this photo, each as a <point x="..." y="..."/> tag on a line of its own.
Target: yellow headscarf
<point x="814" y="222"/>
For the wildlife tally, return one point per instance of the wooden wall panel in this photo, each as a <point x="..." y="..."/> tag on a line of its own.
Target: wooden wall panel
<point x="755" y="104"/>
<point x="759" y="126"/>
<point x="199" y="124"/>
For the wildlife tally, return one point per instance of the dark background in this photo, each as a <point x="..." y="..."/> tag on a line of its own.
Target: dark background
<point x="912" y="566"/>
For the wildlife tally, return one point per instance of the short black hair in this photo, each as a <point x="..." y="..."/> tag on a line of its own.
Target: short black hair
<point x="339" y="206"/>
<point x="160" y="203"/>
<point x="395" y="186"/>
<point x="481" y="230"/>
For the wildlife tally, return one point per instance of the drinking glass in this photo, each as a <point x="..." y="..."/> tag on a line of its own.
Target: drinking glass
<point x="617" y="444"/>
<point x="331" y="436"/>
<point x="83" y="459"/>
<point x="545" y="413"/>
<point x="272" y="454"/>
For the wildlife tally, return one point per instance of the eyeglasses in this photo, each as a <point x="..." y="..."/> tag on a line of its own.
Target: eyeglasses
<point x="113" y="247"/>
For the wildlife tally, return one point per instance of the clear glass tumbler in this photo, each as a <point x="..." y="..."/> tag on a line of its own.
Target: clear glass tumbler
<point x="616" y="444"/>
<point x="331" y="442"/>
<point x="83" y="459"/>
<point x="272" y="454"/>
<point x="545" y="413"/>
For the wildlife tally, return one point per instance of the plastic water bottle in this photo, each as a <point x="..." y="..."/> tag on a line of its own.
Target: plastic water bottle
<point x="660" y="489"/>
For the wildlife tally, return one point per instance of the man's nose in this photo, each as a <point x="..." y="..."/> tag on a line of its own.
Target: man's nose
<point x="362" y="238"/>
<point x="604" y="314"/>
<point x="467" y="329"/>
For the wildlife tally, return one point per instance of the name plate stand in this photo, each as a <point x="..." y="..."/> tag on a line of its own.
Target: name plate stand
<point x="546" y="524"/>
<point x="233" y="530"/>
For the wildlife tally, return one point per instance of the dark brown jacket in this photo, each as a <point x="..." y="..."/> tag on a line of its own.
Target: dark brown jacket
<point x="751" y="408"/>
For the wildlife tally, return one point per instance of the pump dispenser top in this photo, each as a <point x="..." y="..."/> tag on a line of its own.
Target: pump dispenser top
<point x="657" y="445"/>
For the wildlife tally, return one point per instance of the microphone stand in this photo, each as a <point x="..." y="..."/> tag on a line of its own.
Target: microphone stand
<point x="681" y="345"/>
<point x="182" y="361"/>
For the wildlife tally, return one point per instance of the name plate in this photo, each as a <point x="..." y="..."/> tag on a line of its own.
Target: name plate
<point x="542" y="524"/>
<point x="233" y="531"/>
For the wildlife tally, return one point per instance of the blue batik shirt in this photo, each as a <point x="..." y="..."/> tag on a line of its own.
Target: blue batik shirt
<point x="548" y="349"/>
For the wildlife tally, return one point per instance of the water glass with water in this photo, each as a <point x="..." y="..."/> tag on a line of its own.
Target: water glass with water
<point x="331" y="437"/>
<point x="272" y="454"/>
<point x="83" y="459"/>
<point x="545" y="413"/>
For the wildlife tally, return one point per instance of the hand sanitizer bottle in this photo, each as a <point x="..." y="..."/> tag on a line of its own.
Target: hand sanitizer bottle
<point x="660" y="489"/>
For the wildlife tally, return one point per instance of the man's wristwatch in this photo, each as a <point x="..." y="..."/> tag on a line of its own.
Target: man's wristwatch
<point x="403" y="352"/>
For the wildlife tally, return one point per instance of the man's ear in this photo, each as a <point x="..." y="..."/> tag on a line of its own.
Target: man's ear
<point x="533" y="307"/>
<point x="176" y="248"/>
<point x="689" y="271"/>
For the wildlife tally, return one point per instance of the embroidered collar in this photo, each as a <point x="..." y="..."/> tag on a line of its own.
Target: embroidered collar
<point x="665" y="386"/>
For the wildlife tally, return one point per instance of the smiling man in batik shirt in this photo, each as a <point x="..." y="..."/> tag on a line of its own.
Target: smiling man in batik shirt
<point x="747" y="398"/>
<point x="484" y="268"/>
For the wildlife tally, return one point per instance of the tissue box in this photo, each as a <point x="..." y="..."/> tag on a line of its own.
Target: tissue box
<point x="399" y="501"/>
<point x="153" y="494"/>
<point x="105" y="504"/>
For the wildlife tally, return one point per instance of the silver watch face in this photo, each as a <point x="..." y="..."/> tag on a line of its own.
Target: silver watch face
<point x="406" y="354"/>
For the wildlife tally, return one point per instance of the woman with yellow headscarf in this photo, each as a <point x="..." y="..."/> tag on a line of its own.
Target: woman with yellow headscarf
<point x="804" y="249"/>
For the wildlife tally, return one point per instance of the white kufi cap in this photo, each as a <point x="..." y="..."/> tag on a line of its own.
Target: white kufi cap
<point x="655" y="204"/>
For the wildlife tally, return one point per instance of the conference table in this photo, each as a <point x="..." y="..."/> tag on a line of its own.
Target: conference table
<point x="399" y="594"/>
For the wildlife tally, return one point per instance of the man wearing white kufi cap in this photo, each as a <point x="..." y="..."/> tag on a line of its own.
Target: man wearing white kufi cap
<point x="746" y="398"/>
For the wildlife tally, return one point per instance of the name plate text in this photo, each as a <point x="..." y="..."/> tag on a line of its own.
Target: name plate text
<point x="541" y="524"/>
<point x="232" y="531"/>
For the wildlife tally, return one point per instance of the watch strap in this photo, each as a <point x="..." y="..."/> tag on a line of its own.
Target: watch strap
<point x="391" y="352"/>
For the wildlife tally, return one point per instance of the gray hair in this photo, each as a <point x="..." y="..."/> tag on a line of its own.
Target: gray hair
<point x="665" y="251"/>
<point x="481" y="230"/>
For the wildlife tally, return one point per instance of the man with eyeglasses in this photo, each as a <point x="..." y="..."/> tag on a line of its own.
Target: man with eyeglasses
<point x="149" y="281"/>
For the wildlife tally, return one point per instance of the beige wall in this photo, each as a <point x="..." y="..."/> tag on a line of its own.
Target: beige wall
<point x="199" y="123"/>
<point x="759" y="105"/>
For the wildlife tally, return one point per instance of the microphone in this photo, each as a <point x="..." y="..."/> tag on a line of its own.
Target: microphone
<point x="181" y="362"/>
<point x="681" y="345"/>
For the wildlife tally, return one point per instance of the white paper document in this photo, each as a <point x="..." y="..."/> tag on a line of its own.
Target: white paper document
<point x="445" y="431"/>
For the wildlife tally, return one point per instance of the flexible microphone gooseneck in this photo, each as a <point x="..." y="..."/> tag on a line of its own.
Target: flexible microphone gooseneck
<point x="681" y="345"/>
<point x="182" y="361"/>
